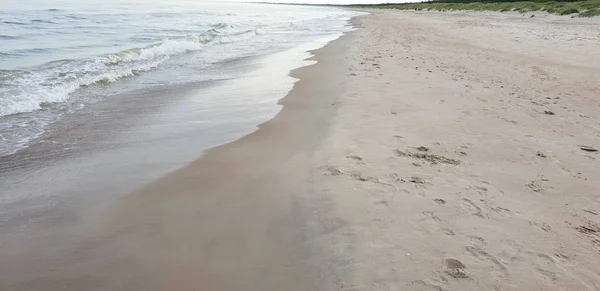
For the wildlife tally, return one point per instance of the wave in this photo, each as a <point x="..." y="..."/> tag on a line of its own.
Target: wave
<point x="7" y="37"/>
<point x="43" y="21"/>
<point x="54" y="82"/>
<point x="14" y="22"/>
<point x="170" y="47"/>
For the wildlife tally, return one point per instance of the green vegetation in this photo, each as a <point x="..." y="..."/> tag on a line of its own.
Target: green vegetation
<point x="586" y="8"/>
<point x="590" y="13"/>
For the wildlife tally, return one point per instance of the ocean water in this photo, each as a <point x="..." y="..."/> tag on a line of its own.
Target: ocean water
<point x="58" y="57"/>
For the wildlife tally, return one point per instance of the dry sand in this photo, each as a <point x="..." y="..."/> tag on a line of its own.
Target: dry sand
<point x="459" y="140"/>
<point x="426" y="151"/>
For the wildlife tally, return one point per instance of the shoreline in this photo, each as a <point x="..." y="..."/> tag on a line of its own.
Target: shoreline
<point x="126" y="223"/>
<point x="84" y="165"/>
<point x="251" y="198"/>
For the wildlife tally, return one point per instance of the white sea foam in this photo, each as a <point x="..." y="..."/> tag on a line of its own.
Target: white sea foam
<point x="71" y="56"/>
<point x="54" y="83"/>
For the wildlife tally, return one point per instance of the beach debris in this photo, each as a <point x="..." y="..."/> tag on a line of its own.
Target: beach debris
<point x="439" y="201"/>
<point x="541" y="155"/>
<point x="588" y="148"/>
<point x="352" y="74"/>
<point x="355" y="158"/>
<point x="431" y="158"/>
<point x="394" y="112"/>
<point x="590" y="211"/>
<point x="455" y="268"/>
<point x="416" y="164"/>
<point x="548" y="112"/>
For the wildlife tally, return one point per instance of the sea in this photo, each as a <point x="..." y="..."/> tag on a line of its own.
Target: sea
<point x="99" y="98"/>
<point x="57" y="57"/>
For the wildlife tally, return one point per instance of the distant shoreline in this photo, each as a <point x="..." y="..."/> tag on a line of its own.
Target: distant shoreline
<point x="588" y="8"/>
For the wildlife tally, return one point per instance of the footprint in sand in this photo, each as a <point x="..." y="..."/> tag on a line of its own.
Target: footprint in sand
<point x="591" y="230"/>
<point x="334" y="171"/>
<point x="455" y="268"/>
<point x="502" y="210"/>
<point x="356" y="175"/>
<point x="549" y="268"/>
<point x="477" y="240"/>
<point x="434" y="224"/>
<point x="433" y="159"/>
<point x="535" y="186"/>
<point x="421" y="285"/>
<point x="480" y="255"/>
<point x="418" y="180"/>
<point x="481" y="190"/>
<point x="396" y="178"/>
<point x="541" y="225"/>
<point x="431" y="215"/>
<point x="471" y="207"/>
<point x="439" y="201"/>
<point x="357" y="158"/>
<point x="497" y="209"/>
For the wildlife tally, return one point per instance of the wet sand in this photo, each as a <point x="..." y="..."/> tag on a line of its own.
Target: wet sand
<point x="426" y="151"/>
<point x="239" y="218"/>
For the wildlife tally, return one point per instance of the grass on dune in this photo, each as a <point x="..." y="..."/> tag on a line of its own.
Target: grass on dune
<point x="587" y="8"/>
<point x="590" y="13"/>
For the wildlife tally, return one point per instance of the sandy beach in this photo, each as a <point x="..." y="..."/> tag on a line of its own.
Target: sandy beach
<point x="456" y="160"/>
<point x="423" y="151"/>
